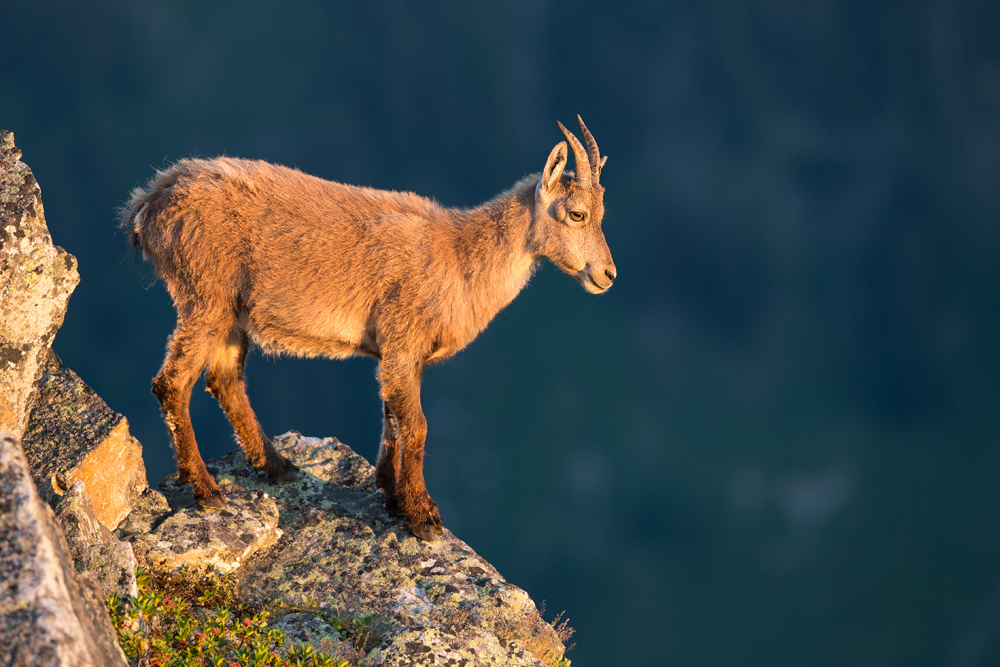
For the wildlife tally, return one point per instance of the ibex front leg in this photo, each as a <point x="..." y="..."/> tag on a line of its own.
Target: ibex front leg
<point x="387" y="466"/>
<point x="400" y="380"/>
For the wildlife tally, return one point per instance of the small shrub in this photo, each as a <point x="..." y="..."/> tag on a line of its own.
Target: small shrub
<point x="190" y="621"/>
<point x="524" y="631"/>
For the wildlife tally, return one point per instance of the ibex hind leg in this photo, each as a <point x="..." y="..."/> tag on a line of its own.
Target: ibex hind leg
<point x="225" y="380"/>
<point x="187" y="353"/>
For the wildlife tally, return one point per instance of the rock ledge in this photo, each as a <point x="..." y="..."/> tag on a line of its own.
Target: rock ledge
<point x="331" y="548"/>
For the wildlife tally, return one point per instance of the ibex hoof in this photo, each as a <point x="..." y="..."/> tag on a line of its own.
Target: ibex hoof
<point x="278" y="469"/>
<point x="392" y="507"/>
<point x="428" y="532"/>
<point x="286" y="476"/>
<point x="210" y="503"/>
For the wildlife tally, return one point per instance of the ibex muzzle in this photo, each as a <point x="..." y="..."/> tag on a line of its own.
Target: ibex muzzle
<point x="254" y="252"/>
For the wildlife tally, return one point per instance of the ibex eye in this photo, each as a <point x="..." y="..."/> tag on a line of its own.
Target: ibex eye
<point x="576" y="216"/>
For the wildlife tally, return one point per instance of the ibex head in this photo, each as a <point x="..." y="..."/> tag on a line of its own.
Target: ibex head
<point x="568" y="213"/>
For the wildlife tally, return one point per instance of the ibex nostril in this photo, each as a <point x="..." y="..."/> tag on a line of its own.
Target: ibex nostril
<point x="610" y="273"/>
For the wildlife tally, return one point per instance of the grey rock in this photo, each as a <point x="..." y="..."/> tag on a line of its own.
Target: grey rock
<point x="150" y="509"/>
<point x="36" y="280"/>
<point x="341" y="551"/>
<point x="221" y="540"/>
<point x="179" y="495"/>
<point x="310" y="629"/>
<point x="79" y="524"/>
<point x="93" y="547"/>
<point x="411" y="647"/>
<point x="113" y="565"/>
<point x="327" y="545"/>
<point x="74" y="436"/>
<point x="48" y="615"/>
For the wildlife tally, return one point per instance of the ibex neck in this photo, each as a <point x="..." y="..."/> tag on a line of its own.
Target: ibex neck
<point x="496" y="249"/>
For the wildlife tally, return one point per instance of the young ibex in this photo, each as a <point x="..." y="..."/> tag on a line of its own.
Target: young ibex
<point x="251" y="251"/>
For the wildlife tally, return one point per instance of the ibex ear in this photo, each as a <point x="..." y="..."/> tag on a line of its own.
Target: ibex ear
<point x="554" y="167"/>
<point x="603" y="160"/>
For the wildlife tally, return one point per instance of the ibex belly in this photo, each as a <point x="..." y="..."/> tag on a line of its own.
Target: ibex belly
<point x="320" y="334"/>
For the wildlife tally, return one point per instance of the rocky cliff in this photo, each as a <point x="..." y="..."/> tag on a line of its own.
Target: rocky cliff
<point x="49" y="614"/>
<point x="36" y="280"/>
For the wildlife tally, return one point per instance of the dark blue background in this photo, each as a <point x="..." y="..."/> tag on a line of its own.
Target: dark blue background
<point x="774" y="442"/>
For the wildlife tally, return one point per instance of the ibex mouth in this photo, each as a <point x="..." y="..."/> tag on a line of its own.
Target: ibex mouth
<point x="590" y="283"/>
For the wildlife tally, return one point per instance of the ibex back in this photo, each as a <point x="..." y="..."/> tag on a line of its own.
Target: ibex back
<point x="253" y="252"/>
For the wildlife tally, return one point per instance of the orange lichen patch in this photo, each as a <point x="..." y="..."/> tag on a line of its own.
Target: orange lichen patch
<point x="7" y="417"/>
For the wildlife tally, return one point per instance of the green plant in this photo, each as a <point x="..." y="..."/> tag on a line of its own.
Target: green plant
<point x="186" y="620"/>
<point x="359" y="629"/>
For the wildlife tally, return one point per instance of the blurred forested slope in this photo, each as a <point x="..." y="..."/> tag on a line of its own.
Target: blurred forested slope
<point x="772" y="443"/>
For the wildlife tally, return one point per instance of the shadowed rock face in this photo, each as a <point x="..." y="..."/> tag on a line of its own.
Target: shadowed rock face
<point x="36" y="280"/>
<point x="112" y="565"/>
<point x="339" y="551"/>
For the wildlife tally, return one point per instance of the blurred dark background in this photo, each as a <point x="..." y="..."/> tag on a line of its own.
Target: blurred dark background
<point x="774" y="442"/>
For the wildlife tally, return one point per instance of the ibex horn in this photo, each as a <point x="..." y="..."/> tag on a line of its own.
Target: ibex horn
<point x="595" y="155"/>
<point x="579" y="156"/>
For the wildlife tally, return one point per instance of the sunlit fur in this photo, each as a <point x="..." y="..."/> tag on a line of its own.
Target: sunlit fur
<point x="254" y="252"/>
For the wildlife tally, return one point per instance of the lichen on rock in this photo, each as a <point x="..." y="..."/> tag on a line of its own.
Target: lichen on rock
<point x="340" y="552"/>
<point x="432" y="646"/>
<point x="149" y="510"/>
<point x="310" y="629"/>
<point x="113" y="563"/>
<point x="36" y="280"/>
<point x="221" y="540"/>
